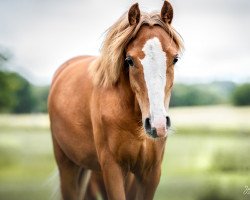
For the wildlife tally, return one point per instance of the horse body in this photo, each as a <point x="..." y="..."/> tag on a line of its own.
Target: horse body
<point x="100" y="128"/>
<point x="115" y="112"/>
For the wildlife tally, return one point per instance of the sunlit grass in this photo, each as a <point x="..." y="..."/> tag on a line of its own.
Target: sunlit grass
<point x="26" y="161"/>
<point x="25" y="123"/>
<point x="225" y="117"/>
<point x="194" y="165"/>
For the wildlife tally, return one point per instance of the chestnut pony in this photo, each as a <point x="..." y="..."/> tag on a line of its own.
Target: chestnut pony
<point x="109" y="114"/>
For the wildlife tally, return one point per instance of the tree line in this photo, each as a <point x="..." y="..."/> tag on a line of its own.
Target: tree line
<point x="17" y="95"/>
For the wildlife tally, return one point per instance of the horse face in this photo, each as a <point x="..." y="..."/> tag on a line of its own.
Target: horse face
<point x="151" y="57"/>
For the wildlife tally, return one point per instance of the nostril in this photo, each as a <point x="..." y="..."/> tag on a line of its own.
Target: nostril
<point x="153" y="132"/>
<point x="147" y="124"/>
<point x="168" y="121"/>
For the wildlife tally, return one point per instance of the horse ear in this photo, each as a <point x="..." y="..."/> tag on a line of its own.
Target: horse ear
<point x="167" y="12"/>
<point x="134" y="14"/>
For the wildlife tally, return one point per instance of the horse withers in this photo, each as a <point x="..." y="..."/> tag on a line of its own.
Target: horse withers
<point x="109" y="114"/>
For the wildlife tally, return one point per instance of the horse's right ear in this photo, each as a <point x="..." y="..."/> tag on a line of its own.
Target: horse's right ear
<point x="167" y="12"/>
<point x="134" y="14"/>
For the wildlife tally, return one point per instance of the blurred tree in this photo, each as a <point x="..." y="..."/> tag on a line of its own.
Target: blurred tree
<point x="6" y="98"/>
<point x="201" y="94"/>
<point x="241" y="95"/>
<point x="16" y="95"/>
<point x="21" y="91"/>
<point x="15" y="91"/>
<point x="40" y="94"/>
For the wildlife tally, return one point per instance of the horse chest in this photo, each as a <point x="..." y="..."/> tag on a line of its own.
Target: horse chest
<point x="139" y="155"/>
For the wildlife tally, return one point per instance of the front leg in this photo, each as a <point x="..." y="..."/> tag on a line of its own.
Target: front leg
<point x="113" y="177"/>
<point x="147" y="184"/>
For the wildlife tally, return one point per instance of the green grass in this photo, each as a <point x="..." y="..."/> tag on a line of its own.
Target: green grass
<point x="194" y="165"/>
<point x="207" y="156"/>
<point x="26" y="159"/>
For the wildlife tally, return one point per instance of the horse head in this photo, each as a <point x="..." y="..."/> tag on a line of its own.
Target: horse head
<point x="150" y="58"/>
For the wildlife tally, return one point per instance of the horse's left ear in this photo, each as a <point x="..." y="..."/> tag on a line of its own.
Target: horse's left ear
<point x="134" y="14"/>
<point x="167" y="12"/>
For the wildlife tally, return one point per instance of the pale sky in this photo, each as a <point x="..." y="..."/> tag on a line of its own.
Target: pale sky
<point x="43" y="34"/>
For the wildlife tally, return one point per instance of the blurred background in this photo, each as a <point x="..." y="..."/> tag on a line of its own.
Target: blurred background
<point x="207" y="156"/>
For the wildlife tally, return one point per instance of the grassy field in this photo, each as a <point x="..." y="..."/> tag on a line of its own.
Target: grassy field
<point x="207" y="156"/>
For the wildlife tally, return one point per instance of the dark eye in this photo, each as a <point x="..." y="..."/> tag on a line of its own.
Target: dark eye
<point x="129" y="61"/>
<point x="175" y="59"/>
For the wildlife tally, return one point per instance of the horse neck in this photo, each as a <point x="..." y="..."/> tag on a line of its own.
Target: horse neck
<point x="151" y="147"/>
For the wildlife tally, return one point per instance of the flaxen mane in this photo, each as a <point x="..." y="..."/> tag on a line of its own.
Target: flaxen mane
<point x="106" y="69"/>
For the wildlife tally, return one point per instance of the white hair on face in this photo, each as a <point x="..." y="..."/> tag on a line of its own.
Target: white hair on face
<point x="154" y="68"/>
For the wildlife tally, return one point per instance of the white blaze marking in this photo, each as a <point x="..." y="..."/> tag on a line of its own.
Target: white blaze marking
<point x="154" y="68"/>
